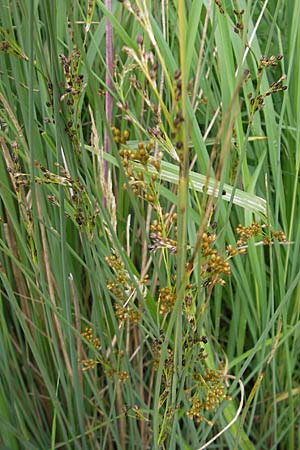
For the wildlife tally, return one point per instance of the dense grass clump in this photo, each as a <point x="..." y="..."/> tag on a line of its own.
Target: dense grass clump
<point x="149" y="226"/>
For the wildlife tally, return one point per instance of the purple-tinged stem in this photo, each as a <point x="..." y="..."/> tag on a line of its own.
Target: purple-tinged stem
<point x="108" y="81"/>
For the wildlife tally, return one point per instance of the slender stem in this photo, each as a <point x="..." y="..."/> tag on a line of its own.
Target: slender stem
<point x="108" y="81"/>
<point x="182" y="212"/>
<point x="184" y="161"/>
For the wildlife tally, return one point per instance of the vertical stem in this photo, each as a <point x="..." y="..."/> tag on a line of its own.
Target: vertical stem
<point x="182" y="212"/>
<point x="184" y="158"/>
<point x="108" y="81"/>
<point x="34" y="235"/>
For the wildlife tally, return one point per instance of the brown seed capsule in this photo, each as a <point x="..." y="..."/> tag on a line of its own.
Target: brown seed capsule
<point x="150" y="145"/>
<point x="139" y="39"/>
<point x="156" y="164"/>
<point x="177" y="74"/>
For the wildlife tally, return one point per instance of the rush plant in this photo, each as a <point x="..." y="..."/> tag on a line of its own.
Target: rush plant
<point x="149" y="270"/>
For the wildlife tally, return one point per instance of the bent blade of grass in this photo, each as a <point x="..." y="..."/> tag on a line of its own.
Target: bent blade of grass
<point x="169" y="173"/>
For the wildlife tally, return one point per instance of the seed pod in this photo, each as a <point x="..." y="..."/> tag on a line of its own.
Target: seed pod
<point x="177" y="74"/>
<point x="139" y="39"/>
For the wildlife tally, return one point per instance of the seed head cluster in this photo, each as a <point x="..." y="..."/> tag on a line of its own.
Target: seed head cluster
<point x="9" y="45"/>
<point x="82" y="212"/>
<point x="279" y="236"/>
<point x="246" y="233"/>
<point x="100" y="360"/>
<point x="257" y="100"/>
<point x="141" y="181"/>
<point x="121" y="288"/>
<point x="73" y="88"/>
<point x="209" y="392"/>
<point x="166" y="299"/>
<point x="89" y="336"/>
<point x="219" y="5"/>
<point x="214" y="265"/>
<point x="160" y="233"/>
<point x="239" y="26"/>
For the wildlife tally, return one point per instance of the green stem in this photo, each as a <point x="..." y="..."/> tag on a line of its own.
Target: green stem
<point x="182" y="211"/>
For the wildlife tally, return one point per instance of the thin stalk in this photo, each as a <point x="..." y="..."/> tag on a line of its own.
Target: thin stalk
<point x="257" y="384"/>
<point x="182" y="212"/>
<point x="108" y="81"/>
<point x="30" y="102"/>
<point x="33" y="238"/>
<point x="77" y="403"/>
<point x="175" y="321"/>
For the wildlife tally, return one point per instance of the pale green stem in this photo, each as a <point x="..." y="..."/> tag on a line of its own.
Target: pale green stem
<point x="182" y="210"/>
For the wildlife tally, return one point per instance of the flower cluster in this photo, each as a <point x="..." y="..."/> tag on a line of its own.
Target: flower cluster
<point x="115" y="263"/>
<point x="269" y="62"/>
<point x="254" y="230"/>
<point x="239" y="26"/>
<point x="135" y="162"/>
<point x="192" y="346"/>
<point x="88" y="335"/>
<point x="73" y="88"/>
<point x="118" y="138"/>
<point x="166" y="299"/>
<point x="178" y="84"/>
<point x="160" y="233"/>
<point x="73" y="80"/>
<point x="9" y="45"/>
<point x="209" y="393"/>
<point x="127" y="313"/>
<point x="246" y="233"/>
<point x="99" y="359"/>
<point x="214" y="265"/>
<point x="196" y="409"/>
<point x="279" y="235"/>
<point x="257" y="100"/>
<point x="215" y="393"/>
<point x="122" y="289"/>
<point x="156" y="350"/>
<point x="162" y="242"/>
<point x="82" y="212"/>
<point x="219" y="5"/>
<point x="90" y="363"/>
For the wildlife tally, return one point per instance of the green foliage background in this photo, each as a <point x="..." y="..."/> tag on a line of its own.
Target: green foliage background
<point x="61" y="218"/>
